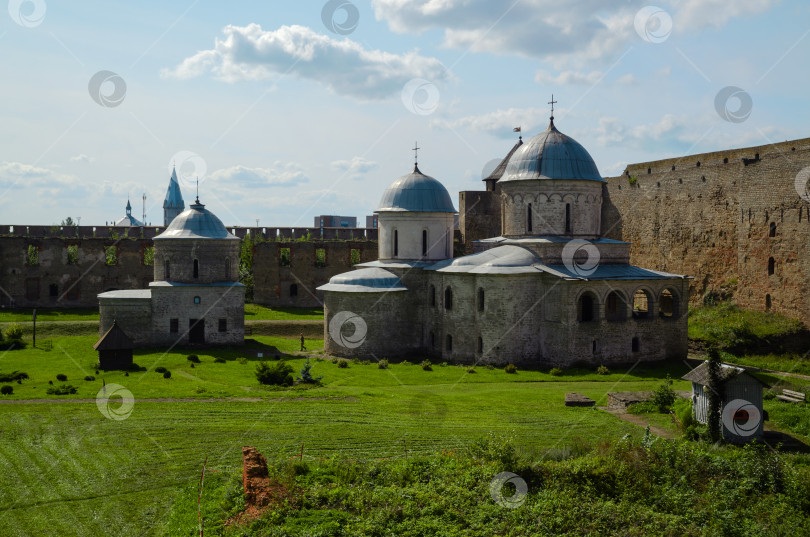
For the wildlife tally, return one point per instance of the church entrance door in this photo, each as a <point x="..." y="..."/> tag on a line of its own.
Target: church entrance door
<point x="196" y="331"/>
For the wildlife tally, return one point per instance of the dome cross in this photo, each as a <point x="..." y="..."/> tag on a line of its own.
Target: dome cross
<point x="415" y="150"/>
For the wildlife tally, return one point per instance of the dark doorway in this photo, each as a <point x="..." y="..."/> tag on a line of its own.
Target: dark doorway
<point x="196" y="331"/>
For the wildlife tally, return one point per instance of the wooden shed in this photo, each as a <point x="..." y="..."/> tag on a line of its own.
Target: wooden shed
<point x="741" y="396"/>
<point x="114" y="349"/>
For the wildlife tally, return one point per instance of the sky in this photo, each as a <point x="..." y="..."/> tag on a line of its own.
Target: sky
<point x="287" y="110"/>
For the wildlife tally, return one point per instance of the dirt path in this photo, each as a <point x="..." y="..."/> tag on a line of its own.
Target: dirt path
<point x="640" y="421"/>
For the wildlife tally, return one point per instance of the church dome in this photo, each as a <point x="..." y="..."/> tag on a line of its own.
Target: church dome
<point x="196" y="223"/>
<point x="365" y="280"/>
<point x="551" y="155"/>
<point x="416" y="192"/>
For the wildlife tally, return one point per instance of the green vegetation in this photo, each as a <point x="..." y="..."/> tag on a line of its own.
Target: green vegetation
<point x="7" y="390"/>
<point x="426" y="365"/>
<point x="48" y="314"/>
<point x="632" y="180"/>
<point x="664" y="396"/>
<point x="734" y="329"/>
<point x="149" y="255"/>
<point x="64" y="389"/>
<point x="382" y="364"/>
<point x="278" y="374"/>
<point x="256" y="312"/>
<point x="32" y="257"/>
<point x="72" y="254"/>
<point x="111" y="255"/>
<point x="306" y="374"/>
<point x="510" y="368"/>
<point x="621" y="487"/>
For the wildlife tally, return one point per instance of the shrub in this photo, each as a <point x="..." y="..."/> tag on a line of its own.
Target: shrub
<point x="96" y="371"/>
<point x="602" y="370"/>
<point x="160" y="369"/>
<point x="61" y="378"/>
<point x="443" y="364"/>
<point x="510" y="368"/>
<point x="192" y="365"/>
<point x="64" y="389"/>
<point x="555" y="371"/>
<point x="14" y="332"/>
<point x="193" y="358"/>
<point x="219" y="360"/>
<point x="342" y="363"/>
<point x="405" y="362"/>
<point x="365" y="362"/>
<point x="50" y="382"/>
<point x="199" y="389"/>
<point x="278" y="374"/>
<point x="89" y="378"/>
<point x="470" y="370"/>
<point x="13" y="376"/>
<point x="167" y="375"/>
<point x="664" y="396"/>
<point x="7" y="390"/>
<point x="490" y="367"/>
<point x="242" y="360"/>
<point x="427" y="366"/>
<point x="306" y="375"/>
<point x="383" y="364"/>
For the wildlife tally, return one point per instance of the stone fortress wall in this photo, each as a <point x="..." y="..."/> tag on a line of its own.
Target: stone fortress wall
<point x="55" y="282"/>
<point x="731" y="219"/>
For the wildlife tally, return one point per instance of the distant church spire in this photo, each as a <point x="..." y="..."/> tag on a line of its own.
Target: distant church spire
<point x="129" y="208"/>
<point x="173" y="204"/>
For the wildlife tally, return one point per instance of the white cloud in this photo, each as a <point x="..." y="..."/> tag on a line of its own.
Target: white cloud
<point x="279" y="174"/>
<point x="344" y="66"/>
<point x="562" y="32"/>
<point x="49" y="188"/>
<point x="354" y="168"/>
<point x="82" y="158"/>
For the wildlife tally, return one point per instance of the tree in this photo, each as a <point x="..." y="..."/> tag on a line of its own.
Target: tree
<point x="306" y="374"/>
<point x="715" y="395"/>
<point x="68" y="222"/>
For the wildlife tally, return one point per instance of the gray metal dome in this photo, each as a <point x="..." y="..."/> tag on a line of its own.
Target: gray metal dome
<point x="551" y="155"/>
<point x="365" y="280"/>
<point x="416" y="192"/>
<point x="196" y="223"/>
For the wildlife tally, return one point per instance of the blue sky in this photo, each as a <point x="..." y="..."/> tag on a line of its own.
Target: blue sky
<point x="290" y="110"/>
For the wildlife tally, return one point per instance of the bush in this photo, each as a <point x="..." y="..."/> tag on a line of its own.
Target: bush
<point x="278" y="374"/>
<point x="365" y="362"/>
<point x="219" y="360"/>
<point x="61" y="378"/>
<point x="405" y="362"/>
<point x="193" y="358"/>
<point x="13" y="376"/>
<point x="160" y="369"/>
<point x="470" y="369"/>
<point x="89" y="378"/>
<point x="510" y="368"/>
<point x="200" y="389"/>
<point x="342" y="363"/>
<point x="490" y="367"/>
<point x="64" y="389"/>
<point x="382" y="364"/>
<point x="7" y="390"/>
<point x="602" y="370"/>
<point x="306" y="375"/>
<point x="14" y="332"/>
<point x="664" y="396"/>
<point x="167" y="375"/>
<point x="242" y="360"/>
<point x="427" y="366"/>
<point x="443" y="364"/>
<point x="555" y="371"/>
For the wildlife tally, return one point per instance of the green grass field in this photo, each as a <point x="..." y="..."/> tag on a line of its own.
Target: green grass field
<point x="75" y="472"/>
<point x="252" y="312"/>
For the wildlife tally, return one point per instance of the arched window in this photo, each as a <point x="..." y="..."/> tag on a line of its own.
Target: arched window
<point x="227" y="268"/>
<point x="772" y="230"/>
<point x="166" y="270"/>
<point x="448" y="299"/>
<point x="668" y="304"/>
<point x="396" y="243"/>
<point x="480" y="299"/>
<point x="767" y="302"/>
<point x="641" y="304"/>
<point x="449" y="343"/>
<point x="615" y="307"/>
<point x="771" y="266"/>
<point x="568" y="218"/>
<point x="424" y="243"/>
<point x="432" y="293"/>
<point x="529" y="219"/>
<point x="586" y="308"/>
<point x="196" y="269"/>
<point x="294" y="289"/>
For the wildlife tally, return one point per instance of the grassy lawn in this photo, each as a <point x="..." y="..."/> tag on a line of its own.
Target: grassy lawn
<point x="77" y="473"/>
<point x="20" y="315"/>
<point x="257" y="312"/>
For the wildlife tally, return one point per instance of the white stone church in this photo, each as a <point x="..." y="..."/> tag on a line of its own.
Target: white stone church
<point x="550" y="291"/>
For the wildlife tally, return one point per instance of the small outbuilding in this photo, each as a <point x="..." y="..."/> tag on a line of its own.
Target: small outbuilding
<point x="741" y="396"/>
<point x="114" y="349"/>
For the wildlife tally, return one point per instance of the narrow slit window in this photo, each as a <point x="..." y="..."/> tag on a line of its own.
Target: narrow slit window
<point x="529" y="219"/>
<point x="424" y="243"/>
<point x="568" y="218"/>
<point x="196" y="269"/>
